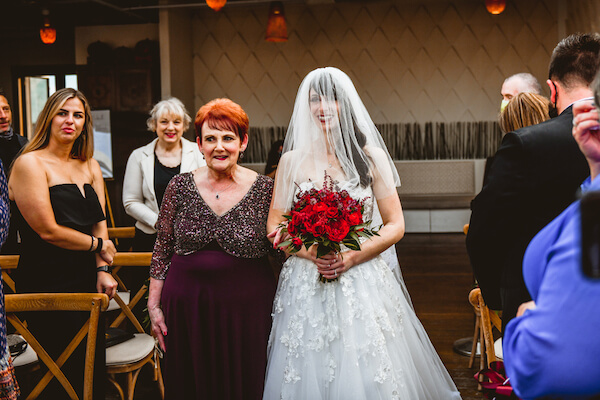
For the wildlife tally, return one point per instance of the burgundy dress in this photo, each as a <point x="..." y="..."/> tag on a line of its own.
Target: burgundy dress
<point x="218" y="292"/>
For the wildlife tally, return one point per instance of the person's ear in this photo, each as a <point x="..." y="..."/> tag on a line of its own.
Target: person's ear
<point x="244" y="143"/>
<point x="552" y="87"/>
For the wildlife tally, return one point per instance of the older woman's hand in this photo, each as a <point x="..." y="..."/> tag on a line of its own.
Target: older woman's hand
<point x="159" y="328"/>
<point x="279" y="237"/>
<point x="586" y="131"/>
<point x="108" y="251"/>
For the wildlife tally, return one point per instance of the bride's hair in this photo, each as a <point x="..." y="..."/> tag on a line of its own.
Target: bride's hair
<point x="320" y="86"/>
<point x="331" y="133"/>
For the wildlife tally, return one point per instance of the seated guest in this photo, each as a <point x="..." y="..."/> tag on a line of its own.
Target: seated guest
<point x="211" y="284"/>
<point x="523" y="110"/>
<point x="58" y="190"/>
<point x="551" y="348"/>
<point x="151" y="167"/>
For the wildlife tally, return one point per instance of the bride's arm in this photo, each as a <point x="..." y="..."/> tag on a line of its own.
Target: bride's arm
<point x="391" y="232"/>
<point x="384" y="189"/>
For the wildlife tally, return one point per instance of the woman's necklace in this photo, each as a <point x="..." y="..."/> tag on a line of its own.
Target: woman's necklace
<point x="221" y="191"/>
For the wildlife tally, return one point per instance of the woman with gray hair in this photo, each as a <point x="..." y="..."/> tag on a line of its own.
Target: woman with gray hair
<point x="151" y="167"/>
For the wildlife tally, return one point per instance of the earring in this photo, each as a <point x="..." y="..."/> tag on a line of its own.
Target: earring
<point x="204" y="158"/>
<point x="241" y="154"/>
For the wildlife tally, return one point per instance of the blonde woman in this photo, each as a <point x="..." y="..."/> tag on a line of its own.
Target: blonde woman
<point x="523" y="110"/>
<point x="151" y="167"/>
<point x="59" y="194"/>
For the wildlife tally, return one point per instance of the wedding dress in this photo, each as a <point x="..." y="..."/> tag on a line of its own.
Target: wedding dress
<point x="354" y="338"/>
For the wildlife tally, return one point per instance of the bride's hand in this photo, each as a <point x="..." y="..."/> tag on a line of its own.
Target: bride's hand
<point x="333" y="265"/>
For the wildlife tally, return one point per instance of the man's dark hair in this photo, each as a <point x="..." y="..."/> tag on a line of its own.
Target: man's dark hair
<point x="575" y="59"/>
<point x="2" y="92"/>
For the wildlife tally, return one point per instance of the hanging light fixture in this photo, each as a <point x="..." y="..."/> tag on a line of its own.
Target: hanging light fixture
<point x="47" y="33"/>
<point x="216" y="4"/>
<point x="495" y="6"/>
<point x="276" y="27"/>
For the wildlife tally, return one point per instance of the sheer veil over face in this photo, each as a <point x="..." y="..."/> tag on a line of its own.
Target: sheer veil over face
<point x="331" y="131"/>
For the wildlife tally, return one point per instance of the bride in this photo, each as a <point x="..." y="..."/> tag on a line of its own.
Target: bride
<point x="358" y="336"/>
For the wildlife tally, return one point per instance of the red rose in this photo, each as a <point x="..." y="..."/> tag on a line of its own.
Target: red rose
<point x="331" y="212"/>
<point x="297" y="242"/>
<point x="338" y="231"/>
<point x="355" y="218"/>
<point x="320" y="207"/>
<point x="320" y="228"/>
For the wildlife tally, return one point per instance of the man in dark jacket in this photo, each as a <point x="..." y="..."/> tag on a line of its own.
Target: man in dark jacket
<point x="535" y="175"/>
<point x="10" y="145"/>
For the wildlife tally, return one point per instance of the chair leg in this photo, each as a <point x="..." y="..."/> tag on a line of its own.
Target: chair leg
<point x="130" y="385"/>
<point x="158" y="377"/>
<point x="111" y="379"/>
<point x="475" y="340"/>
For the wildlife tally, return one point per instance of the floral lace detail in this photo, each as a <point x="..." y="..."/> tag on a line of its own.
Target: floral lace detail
<point x="316" y="326"/>
<point x="357" y="337"/>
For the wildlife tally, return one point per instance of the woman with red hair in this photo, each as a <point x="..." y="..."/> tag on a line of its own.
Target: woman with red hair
<point x="211" y="285"/>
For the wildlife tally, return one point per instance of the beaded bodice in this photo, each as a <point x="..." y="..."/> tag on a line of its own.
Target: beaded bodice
<point x="186" y="224"/>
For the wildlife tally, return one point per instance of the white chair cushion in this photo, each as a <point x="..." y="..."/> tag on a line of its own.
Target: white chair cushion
<point x="131" y="350"/>
<point x="29" y="356"/>
<point x="113" y="305"/>
<point x="498" y="349"/>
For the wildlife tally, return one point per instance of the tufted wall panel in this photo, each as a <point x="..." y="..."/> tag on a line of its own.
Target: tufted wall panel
<point x="412" y="62"/>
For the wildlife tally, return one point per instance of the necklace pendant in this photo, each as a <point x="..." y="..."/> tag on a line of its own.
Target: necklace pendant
<point x="217" y="196"/>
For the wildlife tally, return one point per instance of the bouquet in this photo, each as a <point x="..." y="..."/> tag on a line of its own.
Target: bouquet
<point x="328" y="218"/>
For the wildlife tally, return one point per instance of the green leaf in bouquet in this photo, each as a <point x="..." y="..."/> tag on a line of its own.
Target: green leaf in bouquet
<point x="291" y="249"/>
<point x="352" y="245"/>
<point x="322" y="250"/>
<point x="354" y="236"/>
<point x="365" y="234"/>
<point x="288" y="217"/>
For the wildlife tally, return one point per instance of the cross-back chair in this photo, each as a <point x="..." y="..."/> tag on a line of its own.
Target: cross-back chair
<point x="93" y="303"/>
<point x="486" y="321"/>
<point x="9" y="263"/>
<point x="130" y="356"/>
<point x="121" y="232"/>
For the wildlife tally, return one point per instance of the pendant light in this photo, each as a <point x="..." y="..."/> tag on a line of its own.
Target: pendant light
<point x="47" y="33"/>
<point x="216" y="4"/>
<point x="495" y="6"/>
<point x="276" y="27"/>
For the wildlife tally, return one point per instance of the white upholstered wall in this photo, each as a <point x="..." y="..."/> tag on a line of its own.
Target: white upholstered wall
<point x="411" y="61"/>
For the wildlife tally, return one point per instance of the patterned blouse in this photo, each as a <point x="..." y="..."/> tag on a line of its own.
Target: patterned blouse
<point x="186" y="224"/>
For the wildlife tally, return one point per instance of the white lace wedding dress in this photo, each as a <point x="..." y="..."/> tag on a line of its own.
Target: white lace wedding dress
<point x="356" y="338"/>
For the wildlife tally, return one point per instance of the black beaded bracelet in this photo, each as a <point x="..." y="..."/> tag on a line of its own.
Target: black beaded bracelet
<point x="99" y="248"/>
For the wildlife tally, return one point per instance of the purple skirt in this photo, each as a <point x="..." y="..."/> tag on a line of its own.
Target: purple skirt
<point x="218" y="314"/>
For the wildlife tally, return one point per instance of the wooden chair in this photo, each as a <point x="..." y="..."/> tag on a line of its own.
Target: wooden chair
<point x="130" y="356"/>
<point x="9" y="263"/>
<point x="122" y="232"/>
<point x="94" y="303"/>
<point x="486" y="321"/>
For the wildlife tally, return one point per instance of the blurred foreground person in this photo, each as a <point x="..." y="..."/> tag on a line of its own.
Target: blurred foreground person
<point x="551" y="348"/>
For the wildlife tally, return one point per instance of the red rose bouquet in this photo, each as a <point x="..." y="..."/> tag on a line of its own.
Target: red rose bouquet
<point x="328" y="218"/>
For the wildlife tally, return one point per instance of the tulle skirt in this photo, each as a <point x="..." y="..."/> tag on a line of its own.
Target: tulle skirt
<point x="355" y="338"/>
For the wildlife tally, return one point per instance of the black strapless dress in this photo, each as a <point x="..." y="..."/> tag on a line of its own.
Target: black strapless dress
<point x="45" y="268"/>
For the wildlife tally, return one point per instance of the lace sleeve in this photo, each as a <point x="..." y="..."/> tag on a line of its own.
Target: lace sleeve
<point x="164" y="247"/>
